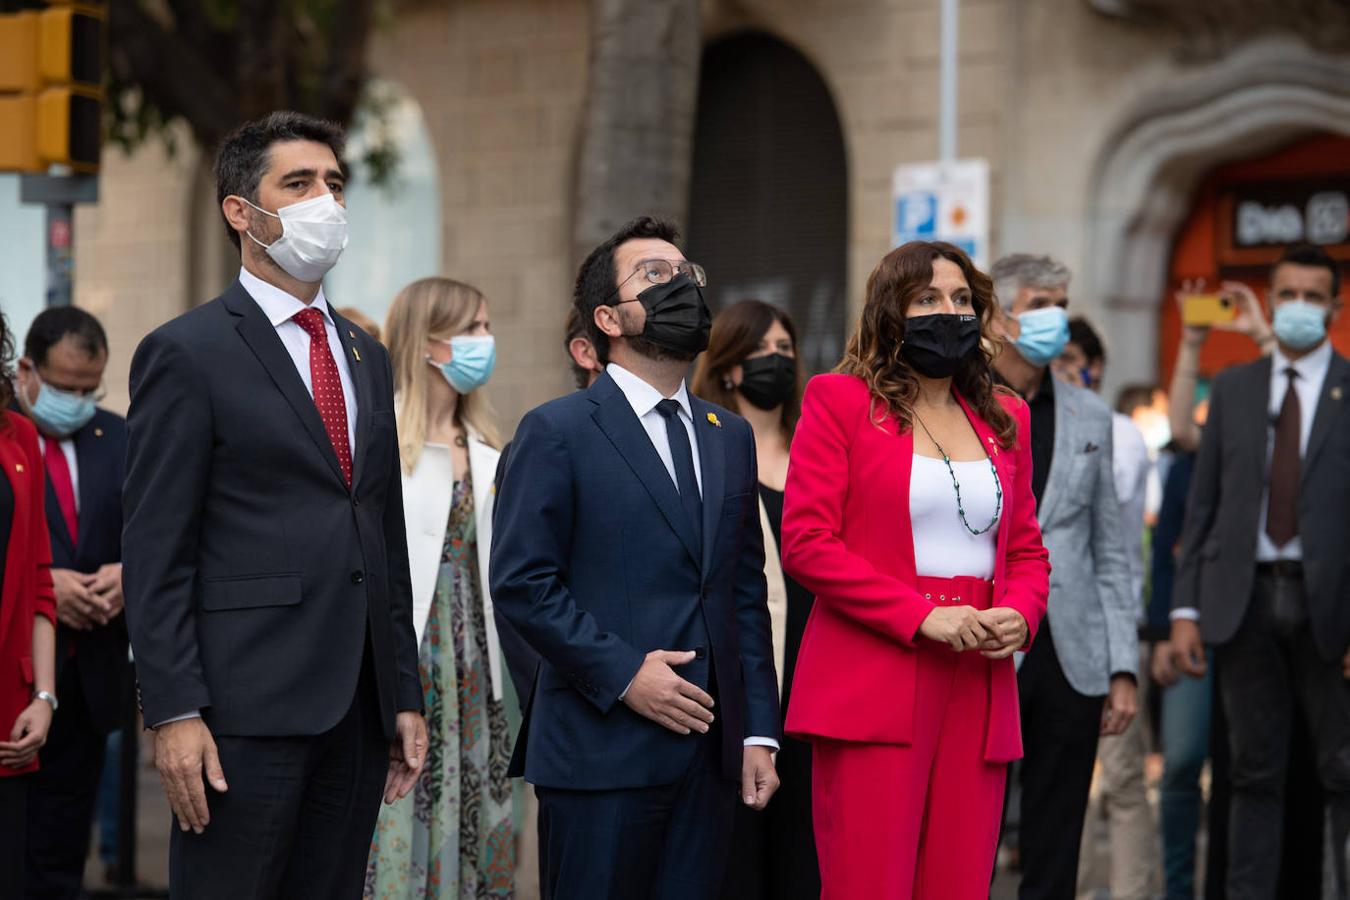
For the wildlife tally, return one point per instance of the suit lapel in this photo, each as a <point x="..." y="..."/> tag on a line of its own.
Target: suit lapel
<point x="56" y="519"/>
<point x="90" y="463"/>
<point x="1061" y="464"/>
<point x="360" y="371"/>
<point x="262" y="339"/>
<point x="1254" y="428"/>
<point x="615" y="418"/>
<point x="1329" y="406"/>
<point x="712" y="463"/>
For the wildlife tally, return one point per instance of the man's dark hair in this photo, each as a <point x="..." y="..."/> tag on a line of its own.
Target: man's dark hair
<point x="1087" y="339"/>
<point x="52" y="325"/>
<point x="244" y="155"/>
<point x="597" y="278"/>
<point x="1311" y="255"/>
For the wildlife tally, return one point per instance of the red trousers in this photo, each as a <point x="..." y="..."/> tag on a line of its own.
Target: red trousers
<point x="921" y="821"/>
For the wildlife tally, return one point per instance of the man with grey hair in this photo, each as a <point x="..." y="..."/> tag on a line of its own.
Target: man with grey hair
<point x="1078" y="680"/>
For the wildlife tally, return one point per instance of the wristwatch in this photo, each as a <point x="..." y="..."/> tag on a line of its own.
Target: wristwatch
<point x="49" y="698"/>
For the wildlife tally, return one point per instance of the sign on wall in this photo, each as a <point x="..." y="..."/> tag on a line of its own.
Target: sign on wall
<point x="1258" y="220"/>
<point x="932" y="201"/>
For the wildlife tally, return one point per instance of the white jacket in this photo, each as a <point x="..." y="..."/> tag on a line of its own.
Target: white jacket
<point x="427" y="494"/>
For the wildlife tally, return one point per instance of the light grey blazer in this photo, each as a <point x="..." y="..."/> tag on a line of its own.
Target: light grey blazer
<point x="1092" y="613"/>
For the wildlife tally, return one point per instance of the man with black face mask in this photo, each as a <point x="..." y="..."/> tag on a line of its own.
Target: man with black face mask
<point x="628" y="553"/>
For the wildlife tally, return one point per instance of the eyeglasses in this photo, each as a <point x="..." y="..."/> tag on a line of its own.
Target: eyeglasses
<point x="661" y="271"/>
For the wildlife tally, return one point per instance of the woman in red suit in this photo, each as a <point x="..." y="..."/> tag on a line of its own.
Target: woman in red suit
<point x="909" y="514"/>
<point x="27" y="623"/>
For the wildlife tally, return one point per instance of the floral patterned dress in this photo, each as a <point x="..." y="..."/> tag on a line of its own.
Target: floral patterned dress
<point x="452" y="835"/>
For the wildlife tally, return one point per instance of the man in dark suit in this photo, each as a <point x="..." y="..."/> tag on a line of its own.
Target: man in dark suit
<point x="1263" y="575"/>
<point x="59" y="381"/>
<point x="628" y="554"/>
<point x="267" y="583"/>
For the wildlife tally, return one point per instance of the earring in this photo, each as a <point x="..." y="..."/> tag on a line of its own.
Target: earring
<point x="726" y="384"/>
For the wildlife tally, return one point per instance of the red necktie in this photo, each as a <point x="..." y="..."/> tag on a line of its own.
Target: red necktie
<point x="327" y="388"/>
<point x="58" y="473"/>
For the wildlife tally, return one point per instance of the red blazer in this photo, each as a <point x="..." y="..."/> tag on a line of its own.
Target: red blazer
<point x="27" y="588"/>
<point x="847" y="538"/>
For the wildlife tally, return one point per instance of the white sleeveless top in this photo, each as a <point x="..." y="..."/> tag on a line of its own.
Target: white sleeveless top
<point x="943" y="547"/>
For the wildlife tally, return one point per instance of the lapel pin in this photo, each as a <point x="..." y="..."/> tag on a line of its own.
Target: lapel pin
<point x="351" y="334"/>
<point x="18" y="467"/>
<point x="712" y="417"/>
<point x="357" y="354"/>
<point x="98" y="432"/>
<point x="1336" y="393"/>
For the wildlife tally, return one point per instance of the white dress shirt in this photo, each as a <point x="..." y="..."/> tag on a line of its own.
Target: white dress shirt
<point x="72" y="462"/>
<point x="643" y="398"/>
<point x="280" y="309"/>
<point x="1312" y="374"/>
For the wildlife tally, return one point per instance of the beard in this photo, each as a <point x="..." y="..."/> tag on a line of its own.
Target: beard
<point x="655" y="352"/>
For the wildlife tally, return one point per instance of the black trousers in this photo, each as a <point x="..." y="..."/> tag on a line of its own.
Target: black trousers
<point x="773" y="852"/>
<point x="668" y="842"/>
<point x="62" y="796"/>
<point x="1272" y="668"/>
<point x="298" y="817"/>
<point x="1060" y="728"/>
<point x="13" y="832"/>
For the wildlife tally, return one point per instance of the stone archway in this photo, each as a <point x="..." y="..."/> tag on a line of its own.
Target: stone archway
<point x="1260" y="96"/>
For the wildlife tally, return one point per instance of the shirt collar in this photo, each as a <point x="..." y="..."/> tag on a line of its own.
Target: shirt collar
<point x="641" y="395"/>
<point x="278" y="305"/>
<point x="1310" y="368"/>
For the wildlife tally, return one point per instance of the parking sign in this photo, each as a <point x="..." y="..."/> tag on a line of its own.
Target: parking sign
<point x="933" y="201"/>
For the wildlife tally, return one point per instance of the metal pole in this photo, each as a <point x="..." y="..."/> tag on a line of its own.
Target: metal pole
<point x="60" y="193"/>
<point x="947" y="43"/>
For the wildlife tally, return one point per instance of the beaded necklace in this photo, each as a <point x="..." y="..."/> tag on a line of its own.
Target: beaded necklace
<point x="960" y="507"/>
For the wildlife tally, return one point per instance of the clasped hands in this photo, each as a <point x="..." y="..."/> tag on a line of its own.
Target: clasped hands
<point x="997" y="633"/>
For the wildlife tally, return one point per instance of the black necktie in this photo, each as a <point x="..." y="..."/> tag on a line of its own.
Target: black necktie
<point x="683" y="455"/>
<point x="1285" y="467"/>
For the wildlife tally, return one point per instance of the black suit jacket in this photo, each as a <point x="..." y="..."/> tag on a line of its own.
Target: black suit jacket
<point x="100" y="656"/>
<point x="255" y="580"/>
<point x="595" y="563"/>
<point x="1223" y="519"/>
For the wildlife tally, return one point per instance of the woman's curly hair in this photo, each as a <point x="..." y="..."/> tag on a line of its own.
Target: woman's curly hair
<point x="873" y="352"/>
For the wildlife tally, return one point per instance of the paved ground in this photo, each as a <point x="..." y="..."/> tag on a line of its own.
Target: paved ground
<point x="153" y="844"/>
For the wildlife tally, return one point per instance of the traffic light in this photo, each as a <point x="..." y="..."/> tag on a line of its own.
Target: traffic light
<point x="51" y="90"/>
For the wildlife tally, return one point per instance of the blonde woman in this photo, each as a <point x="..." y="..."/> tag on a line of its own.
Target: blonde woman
<point x="453" y="835"/>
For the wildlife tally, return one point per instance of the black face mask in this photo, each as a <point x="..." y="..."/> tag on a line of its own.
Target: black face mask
<point x="938" y="345"/>
<point x="678" y="321"/>
<point x="767" y="381"/>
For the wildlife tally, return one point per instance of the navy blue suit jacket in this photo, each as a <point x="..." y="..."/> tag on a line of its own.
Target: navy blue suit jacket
<point x="101" y="654"/>
<point x="595" y="563"/>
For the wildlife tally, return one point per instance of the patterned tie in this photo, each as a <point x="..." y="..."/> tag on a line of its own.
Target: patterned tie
<point x="58" y="473"/>
<point x="327" y="388"/>
<point x="685" y="478"/>
<point x="1285" y="467"/>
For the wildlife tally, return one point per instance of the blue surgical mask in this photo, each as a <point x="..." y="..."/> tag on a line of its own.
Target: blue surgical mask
<point x="1299" y="324"/>
<point x="61" y="413"/>
<point x="1045" y="333"/>
<point x="472" y="361"/>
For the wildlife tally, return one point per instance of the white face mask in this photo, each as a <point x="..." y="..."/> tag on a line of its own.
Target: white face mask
<point x="313" y="236"/>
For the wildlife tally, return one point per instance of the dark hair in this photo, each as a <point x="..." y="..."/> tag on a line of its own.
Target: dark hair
<point x="574" y="329"/>
<point x="736" y="333"/>
<point x="6" y="367"/>
<point x="1133" y="396"/>
<point x="245" y="153"/>
<point x="596" y="279"/>
<point x="1087" y="339"/>
<point x="873" y="352"/>
<point x="58" y="322"/>
<point x="1311" y="255"/>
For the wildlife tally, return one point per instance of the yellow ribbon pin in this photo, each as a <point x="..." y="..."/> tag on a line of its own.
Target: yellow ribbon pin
<point x="712" y="417"/>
